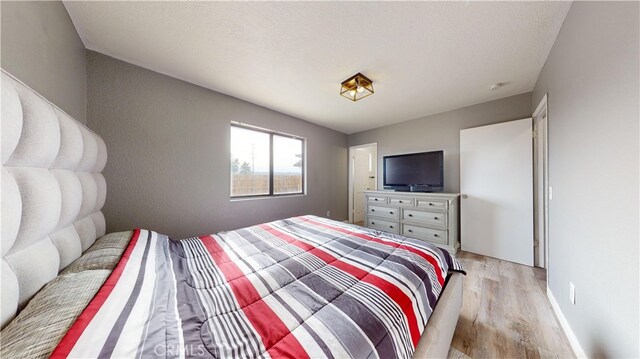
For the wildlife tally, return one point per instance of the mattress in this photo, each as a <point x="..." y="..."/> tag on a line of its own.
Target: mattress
<point x="299" y="287"/>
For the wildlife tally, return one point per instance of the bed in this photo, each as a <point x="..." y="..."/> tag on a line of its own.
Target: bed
<point x="298" y="287"/>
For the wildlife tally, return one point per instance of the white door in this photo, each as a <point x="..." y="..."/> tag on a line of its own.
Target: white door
<point x="364" y="177"/>
<point x="496" y="182"/>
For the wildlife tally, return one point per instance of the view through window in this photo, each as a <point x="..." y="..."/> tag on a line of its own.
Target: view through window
<point x="265" y="163"/>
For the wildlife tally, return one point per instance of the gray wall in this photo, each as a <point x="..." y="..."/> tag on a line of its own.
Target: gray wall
<point x="40" y="46"/>
<point x="168" y="167"/>
<point x="442" y="132"/>
<point x="592" y="79"/>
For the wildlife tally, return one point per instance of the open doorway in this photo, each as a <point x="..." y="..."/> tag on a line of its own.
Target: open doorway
<point x="541" y="185"/>
<point x="363" y="162"/>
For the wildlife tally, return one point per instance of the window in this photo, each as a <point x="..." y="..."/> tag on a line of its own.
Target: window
<point x="265" y="163"/>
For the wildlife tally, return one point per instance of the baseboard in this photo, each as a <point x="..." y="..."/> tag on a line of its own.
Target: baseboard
<point x="573" y="340"/>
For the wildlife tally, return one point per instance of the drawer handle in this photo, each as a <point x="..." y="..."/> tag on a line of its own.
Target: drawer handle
<point x="373" y="210"/>
<point x="373" y="222"/>
<point x="410" y="215"/>
<point x="436" y="218"/>
<point x="375" y="199"/>
<point x="390" y="212"/>
<point x="391" y="227"/>
<point x="435" y="235"/>
<point x="410" y="230"/>
<point x="431" y="204"/>
<point x="399" y="201"/>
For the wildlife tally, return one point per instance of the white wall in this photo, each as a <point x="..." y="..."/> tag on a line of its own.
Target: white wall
<point x="592" y="78"/>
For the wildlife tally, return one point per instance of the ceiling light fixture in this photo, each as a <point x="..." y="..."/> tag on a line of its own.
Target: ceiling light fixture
<point x="356" y="87"/>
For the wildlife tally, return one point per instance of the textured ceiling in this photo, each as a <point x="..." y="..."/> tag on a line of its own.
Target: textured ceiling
<point x="424" y="57"/>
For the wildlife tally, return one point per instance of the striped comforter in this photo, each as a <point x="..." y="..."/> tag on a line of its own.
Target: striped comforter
<point x="299" y="287"/>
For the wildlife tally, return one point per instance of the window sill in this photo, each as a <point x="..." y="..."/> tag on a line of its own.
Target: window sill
<point x="253" y="198"/>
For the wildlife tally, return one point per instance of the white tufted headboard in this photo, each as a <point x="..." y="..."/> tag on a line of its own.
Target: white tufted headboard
<point x="52" y="192"/>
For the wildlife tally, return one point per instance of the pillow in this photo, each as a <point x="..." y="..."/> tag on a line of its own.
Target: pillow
<point x="103" y="254"/>
<point x="116" y="240"/>
<point x="40" y="326"/>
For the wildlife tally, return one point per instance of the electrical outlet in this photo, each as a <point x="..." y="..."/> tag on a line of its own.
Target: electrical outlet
<point x="550" y="193"/>
<point x="328" y="214"/>
<point x="572" y="293"/>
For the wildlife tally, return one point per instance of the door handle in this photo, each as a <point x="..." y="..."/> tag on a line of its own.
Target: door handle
<point x="464" y="196"/>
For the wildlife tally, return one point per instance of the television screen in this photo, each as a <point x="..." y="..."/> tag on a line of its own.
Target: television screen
<point x="416" y="169"/>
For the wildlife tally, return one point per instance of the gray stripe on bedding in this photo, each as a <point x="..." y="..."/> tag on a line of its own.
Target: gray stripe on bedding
<point x="162" y="328"/>
<point x="185" y="293"/>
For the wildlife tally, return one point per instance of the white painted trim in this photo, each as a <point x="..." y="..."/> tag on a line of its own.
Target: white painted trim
<point x="350" y="160"/>
<point x="542" y="111"/>
<point x="573" y="340"/>
<point x="542" y="106"/>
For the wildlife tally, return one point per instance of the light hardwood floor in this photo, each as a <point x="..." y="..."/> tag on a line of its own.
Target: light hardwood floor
<point x="506" y="313"/>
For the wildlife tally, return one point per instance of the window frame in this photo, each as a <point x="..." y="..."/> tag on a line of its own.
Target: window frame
<point x="271" y="133"/>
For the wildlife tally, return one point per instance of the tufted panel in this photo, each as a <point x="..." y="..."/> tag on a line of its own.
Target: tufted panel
<point x="71" y="142"/>
<point x="9" y="292"/>
<point x="100" y="223"/>
<point x="70" y="195"/>
<point x="67" y="242"/>
<point x="34" y="267"/>
<point x="12" y="126"/>
<point x="52" y="193"/>
<point x="40" y="136"/>
<point x="11" y="211"/>
<point x="41" y="205"/>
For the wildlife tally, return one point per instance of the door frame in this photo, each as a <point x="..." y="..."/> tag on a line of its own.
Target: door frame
<point x="541" y="114"/>
<point x="352" y="170"/>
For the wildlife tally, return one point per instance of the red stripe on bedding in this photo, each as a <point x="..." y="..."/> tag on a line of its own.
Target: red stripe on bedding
<point x="429" y="258"/>
<point x="277" y="338"/>
<point x="69" y="340"/>
<point x="395" y="293"/>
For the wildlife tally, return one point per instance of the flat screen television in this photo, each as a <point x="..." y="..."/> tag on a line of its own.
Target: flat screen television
<point x="415" y="172"/>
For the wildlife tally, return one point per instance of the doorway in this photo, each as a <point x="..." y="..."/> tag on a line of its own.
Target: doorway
<point x="363" y="163"/>
<point x="541" y="184"/>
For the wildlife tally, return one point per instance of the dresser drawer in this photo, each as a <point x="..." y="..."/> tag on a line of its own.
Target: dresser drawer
<point x="382" y="225"/>
<point x="428" y="234"/>
<point x="401" y="201"/>
<point x="386" y="212"/>
<point x="432" y="204"/>
<point x="436" y="218"/>
<point x="377" y="199"/>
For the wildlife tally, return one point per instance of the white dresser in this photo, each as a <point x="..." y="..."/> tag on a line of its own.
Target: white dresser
<point x="432" y="217"/>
